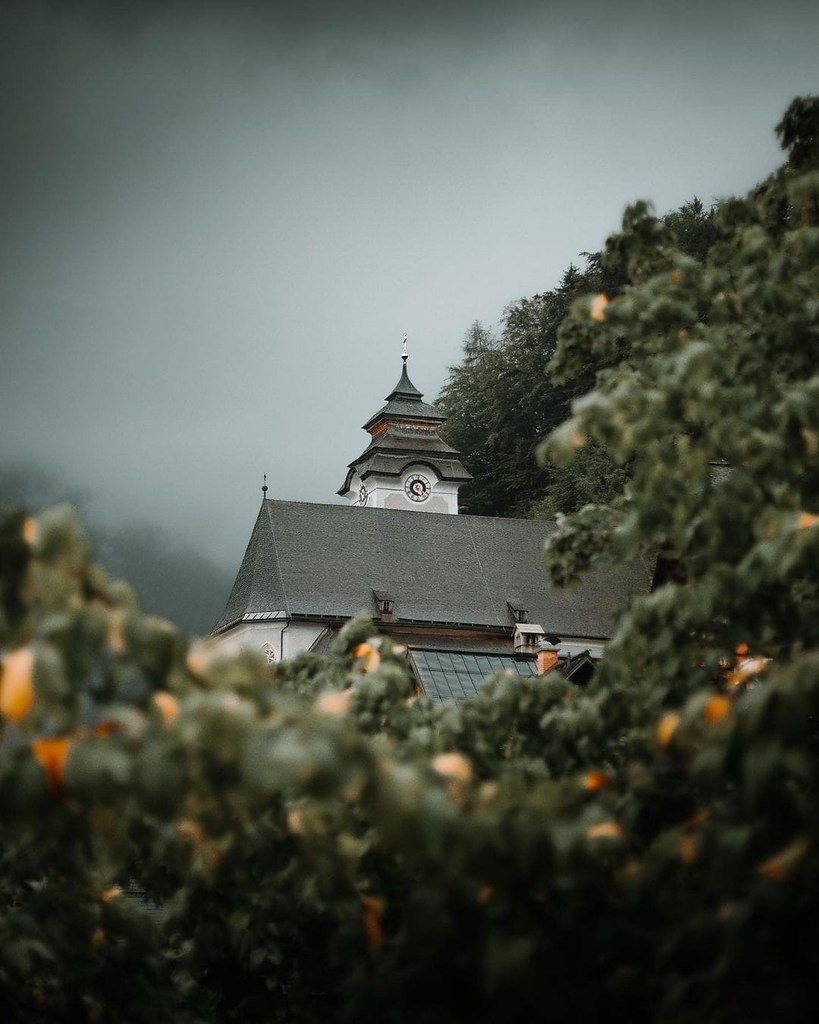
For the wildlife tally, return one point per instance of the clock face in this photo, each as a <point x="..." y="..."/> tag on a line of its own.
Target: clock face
<point x="362" y="495"/>
<point x="417" y="487"/>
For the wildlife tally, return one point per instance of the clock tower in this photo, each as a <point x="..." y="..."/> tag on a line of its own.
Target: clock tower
<point x="407" y="464"/>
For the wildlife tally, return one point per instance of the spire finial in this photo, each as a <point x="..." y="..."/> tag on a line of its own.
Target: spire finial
<point x="264" y="488"/>
<point x="404" y="355"/>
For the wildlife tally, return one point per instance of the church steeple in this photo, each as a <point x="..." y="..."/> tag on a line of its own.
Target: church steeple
<point x="405" y="388"/>
<point x="407" y="463"/>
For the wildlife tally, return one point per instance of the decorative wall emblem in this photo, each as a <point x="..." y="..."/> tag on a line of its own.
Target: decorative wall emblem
<point x="363" y="494"/>
<point x="417" y="487"/>
<point x="269" y="651"/>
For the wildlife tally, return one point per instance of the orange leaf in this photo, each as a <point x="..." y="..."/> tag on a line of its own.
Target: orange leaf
<point x="335" y="702"/>
<point x="199" y="656"/>
<point x="688" y="848"/>
<point x="697" y="819"/>
<point x="741" y="651"/>
<point x="110" y="893"/>
<point x="594" y="781"/>
<point x="51" y="753"/>
<point x="17" y="684"/>
<point x="189" y="830"/>
<point x="604" y="830"/>
<point x="484" y="893"/>
<point x="715" y="709"/>
<point x="597" y="309"/>
<point x="807" y="519"/>
<point x="31" y="532"/>
<point x="778" y="867"/>
<point x="369" y="653"/>
<point x="456" y="791"/>
<point x="104" y="728"/>
<point x="295" y="821"/>
<point x="666" y="728"/>
<point x="97" y="938"/>
<point x="372" y="910"/>
<point x="452" y="766"/>
<point x="167" y="704"/>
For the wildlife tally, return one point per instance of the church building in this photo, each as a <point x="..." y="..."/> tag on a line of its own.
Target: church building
<point x="467" y="595"/>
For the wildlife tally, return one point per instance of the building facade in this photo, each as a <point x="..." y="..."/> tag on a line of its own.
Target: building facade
<point x="465" y="594"/>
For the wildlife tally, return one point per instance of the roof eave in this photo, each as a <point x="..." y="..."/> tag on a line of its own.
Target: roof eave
<point x="397" y="473"/>
<point x="394" y="417"/>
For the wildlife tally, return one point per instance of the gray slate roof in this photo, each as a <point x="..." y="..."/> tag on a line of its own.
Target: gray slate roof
<point x="405" y="388"/>
<point x="405" y="401"/>
<point x="405" y="408"/>
<point x="399" y="446"/>
<point x="325" y="561"/>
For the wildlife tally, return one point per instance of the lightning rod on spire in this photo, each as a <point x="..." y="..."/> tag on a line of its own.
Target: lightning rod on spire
<point x="404" y="355"/>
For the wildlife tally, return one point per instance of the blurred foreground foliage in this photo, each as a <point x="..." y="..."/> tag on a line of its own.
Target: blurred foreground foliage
<point x="313" y="842"/>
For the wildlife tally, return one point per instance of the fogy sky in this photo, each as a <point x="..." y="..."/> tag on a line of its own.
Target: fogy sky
<point x="220" y="219"/>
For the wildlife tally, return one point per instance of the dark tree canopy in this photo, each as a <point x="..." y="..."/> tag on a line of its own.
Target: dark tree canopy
<point x="501" y="399"/>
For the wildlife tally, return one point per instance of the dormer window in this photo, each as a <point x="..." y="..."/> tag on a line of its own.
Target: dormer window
<point x="517" y="611"/>
<point x="527" y="637"/>
<point x="385" y="605"/>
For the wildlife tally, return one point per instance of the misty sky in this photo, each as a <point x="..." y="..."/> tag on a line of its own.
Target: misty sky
<point x="220" y="219"/>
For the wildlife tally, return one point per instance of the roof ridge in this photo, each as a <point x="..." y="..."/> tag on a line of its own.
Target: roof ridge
<point x="401" y="511"/>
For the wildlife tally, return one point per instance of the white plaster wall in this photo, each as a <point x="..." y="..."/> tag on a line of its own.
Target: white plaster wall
<point x="300" y="636"/>
<point x="295" y="636"/>
<point x="389" y="492"/>
<point x="352" y="495"/>
<point x="436" y="503"/>
<point x="252" y="636"/>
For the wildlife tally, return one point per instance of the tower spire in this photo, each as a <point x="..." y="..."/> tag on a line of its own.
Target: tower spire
<point x="407" y="464"/>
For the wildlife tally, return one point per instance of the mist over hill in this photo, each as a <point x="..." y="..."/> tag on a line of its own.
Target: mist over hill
<point x="171" y="576"/>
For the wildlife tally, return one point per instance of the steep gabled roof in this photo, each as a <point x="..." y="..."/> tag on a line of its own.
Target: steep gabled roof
<point x="258" y="586"/>
<point x="325" y="561"/>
